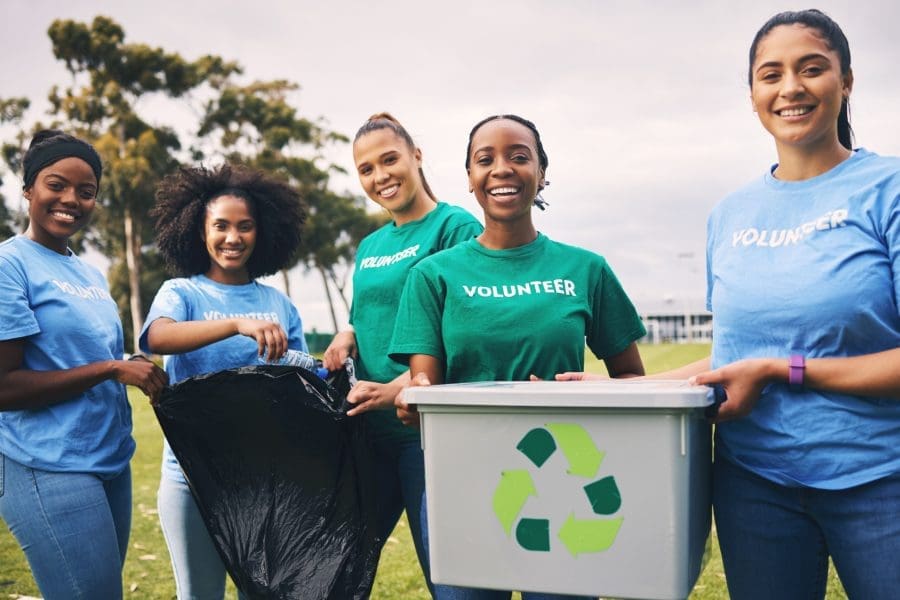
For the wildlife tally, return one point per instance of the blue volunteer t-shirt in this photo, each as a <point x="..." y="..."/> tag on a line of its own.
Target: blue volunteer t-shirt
<point x="61" y="308"/>
<point x="199" y="298"/>
<point x="810" y="267"/>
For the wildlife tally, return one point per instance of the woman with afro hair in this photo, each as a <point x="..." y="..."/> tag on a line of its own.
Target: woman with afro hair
<point x="217" y="230"/>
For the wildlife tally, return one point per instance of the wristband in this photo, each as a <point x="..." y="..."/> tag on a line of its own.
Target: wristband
<point x="796" y="366"/>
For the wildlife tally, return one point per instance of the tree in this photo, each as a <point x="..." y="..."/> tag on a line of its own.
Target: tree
<point x="6" y="230"/>
<point x="153" y="274"/>
<point x="110" y="77"/>
<point x="257" y="125"/>
<point x="12" y="111"/>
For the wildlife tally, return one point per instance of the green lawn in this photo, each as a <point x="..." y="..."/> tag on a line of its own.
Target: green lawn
<point x="148" y="572"/>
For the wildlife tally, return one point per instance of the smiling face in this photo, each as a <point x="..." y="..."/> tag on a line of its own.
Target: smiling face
<point x="60" y="202"/>
<point x="230" y="235"/>
<point x="388" y="170"/>
<point x="504" y="171"/>
<point x="797" y="88"/>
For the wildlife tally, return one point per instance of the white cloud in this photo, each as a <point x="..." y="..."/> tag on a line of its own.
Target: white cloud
<point x="643" y="106"/>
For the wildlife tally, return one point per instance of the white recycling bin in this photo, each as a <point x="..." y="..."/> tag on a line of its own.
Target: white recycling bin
<point x="597" y="488"/>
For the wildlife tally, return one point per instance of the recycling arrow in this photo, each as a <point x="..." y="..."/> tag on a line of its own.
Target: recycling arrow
<point x="537" y="445"/>
<point x="581" y="536"/>
<point x="534" y="534"/>
<point x="604" y="496"/>
<point x="510" y="496"/>
<point x="578" y="447"/>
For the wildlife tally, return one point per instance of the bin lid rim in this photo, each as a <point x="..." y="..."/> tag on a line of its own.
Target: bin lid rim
<point x="652" y="393"/>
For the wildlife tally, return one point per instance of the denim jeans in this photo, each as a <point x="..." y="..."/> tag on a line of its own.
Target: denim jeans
<point x="199" y="571"/>
<point x="73" y="528"/>
<point x="776" y="540"/>
<point x="400" y="472"/>
<point x="452" y="592"/>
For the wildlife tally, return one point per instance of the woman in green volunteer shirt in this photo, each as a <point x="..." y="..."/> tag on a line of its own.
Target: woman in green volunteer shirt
<point x="389" y="166"/>
<point x="511" y="303"/>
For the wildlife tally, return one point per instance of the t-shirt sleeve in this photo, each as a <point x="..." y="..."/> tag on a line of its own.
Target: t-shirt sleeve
<point x="417" y="329"/>
<point x="892" y="235"/>
<point x="615" y="323"/>
<point x="709" y="277"/>
<point x="461" y="230"/>
<point x="294" y="329"/>
<point x="17" y="319"/>
<point x="170" y="303"/>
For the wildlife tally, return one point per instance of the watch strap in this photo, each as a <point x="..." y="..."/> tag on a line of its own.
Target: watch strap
<point x="796" y="367"/>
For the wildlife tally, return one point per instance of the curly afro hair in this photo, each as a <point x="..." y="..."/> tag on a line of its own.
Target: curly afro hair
<point x="180" y="212"/>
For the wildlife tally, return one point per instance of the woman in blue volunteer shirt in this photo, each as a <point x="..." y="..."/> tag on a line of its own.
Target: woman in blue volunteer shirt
<point x="65" y="422"/>
<point x="803" y="269"/>
<point x="804" y="265"/>
<point x="218" y="230"/>
<point x="389" y="166"/>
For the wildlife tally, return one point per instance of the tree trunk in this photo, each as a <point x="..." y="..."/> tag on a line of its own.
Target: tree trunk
<point x="340" y="288"/>
<point x="287" y="282"/>
<point x="133" y="260"/>
<point x="328" y="295"/>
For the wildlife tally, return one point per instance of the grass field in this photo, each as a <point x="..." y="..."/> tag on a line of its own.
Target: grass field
<point x="148" y="572"/>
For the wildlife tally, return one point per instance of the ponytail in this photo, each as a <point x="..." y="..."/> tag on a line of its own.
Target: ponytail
<point x="385" y="120"/>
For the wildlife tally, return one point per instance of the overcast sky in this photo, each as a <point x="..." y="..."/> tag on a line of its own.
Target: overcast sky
<point x="643" y="106"/>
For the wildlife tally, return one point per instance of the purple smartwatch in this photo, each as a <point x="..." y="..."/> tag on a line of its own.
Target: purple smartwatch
<point x="796" y="366"/>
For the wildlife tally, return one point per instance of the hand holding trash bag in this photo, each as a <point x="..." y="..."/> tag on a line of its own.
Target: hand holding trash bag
<point x="282" y="478"/>
<point x="371" y="395"/>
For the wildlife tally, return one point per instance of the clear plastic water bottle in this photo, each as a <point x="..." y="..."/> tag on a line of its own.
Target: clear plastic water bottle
<point x="298" y="358"/>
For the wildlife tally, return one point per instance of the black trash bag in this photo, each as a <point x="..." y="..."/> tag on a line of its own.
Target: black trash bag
<point x="282" y="477"/>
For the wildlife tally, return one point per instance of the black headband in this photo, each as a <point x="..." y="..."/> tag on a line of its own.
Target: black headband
<point x="47" y="155"/>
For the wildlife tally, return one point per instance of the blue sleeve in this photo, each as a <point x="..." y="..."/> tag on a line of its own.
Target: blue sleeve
<point x="892" y="237"/>
<point x="17" y="320"/>
<point x="709" y="254"/>
<point x="169" y="303"/>
<point x="294" y="329"/>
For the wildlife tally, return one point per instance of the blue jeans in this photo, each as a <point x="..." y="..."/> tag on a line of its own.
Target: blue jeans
<point x="199" y="571"/>
<point x="400" y="472"/>
<point x="73" y="528"/>
<point x="452" y="592"/>
<point x="775" y="540"/>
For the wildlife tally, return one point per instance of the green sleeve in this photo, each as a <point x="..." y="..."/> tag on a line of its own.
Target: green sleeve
<point x="417" y="329"/>
<point x="614" y="321"/>
<point x="351" y="317"/>
<point x="460" y="233"/>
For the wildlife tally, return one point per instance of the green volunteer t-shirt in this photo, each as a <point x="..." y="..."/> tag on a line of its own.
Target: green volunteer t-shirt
<point x="501" y="315"/>
<point x="383" y="261"/>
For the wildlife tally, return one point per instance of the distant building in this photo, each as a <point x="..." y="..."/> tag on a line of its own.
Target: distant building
<point x="677" y="327"/>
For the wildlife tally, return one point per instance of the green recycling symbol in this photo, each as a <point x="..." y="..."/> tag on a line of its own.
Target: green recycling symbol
<point x="579" y="536"/>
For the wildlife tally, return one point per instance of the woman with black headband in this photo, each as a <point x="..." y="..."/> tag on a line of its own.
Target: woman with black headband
<point x="65" y="421"/>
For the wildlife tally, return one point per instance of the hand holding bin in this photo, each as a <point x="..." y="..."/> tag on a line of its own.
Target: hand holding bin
<point x="592" y="488"/>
